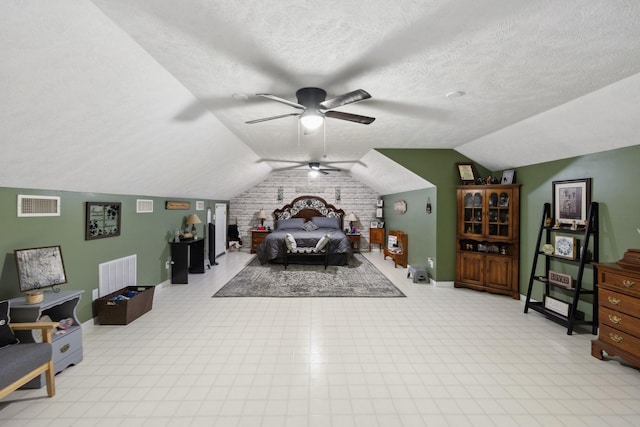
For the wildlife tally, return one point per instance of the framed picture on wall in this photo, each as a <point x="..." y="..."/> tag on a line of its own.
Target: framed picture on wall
<point x="102" y="220"/>
<point x="571" y="200"/>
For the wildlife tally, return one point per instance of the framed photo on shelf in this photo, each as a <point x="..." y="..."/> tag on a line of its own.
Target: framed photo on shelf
<point x="467" y="175"/>
<point x="102" y="220"/>
<point x="560" y="279"/>
<point x="374" y="224"/>
<point x="380" y="224"/>
<point x="571" y="199"/>
<point x="565" y="246"/>
<point x="508" y="177"/>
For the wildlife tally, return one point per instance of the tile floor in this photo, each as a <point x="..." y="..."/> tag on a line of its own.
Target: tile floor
<point x="440" y="357"/>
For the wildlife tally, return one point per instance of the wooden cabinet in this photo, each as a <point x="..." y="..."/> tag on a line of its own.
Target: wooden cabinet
<point x="257" y="237"/>
<point x="67" y="344"/>
<point x="619" y="311"/>
<point x="488" y="238"/>
<point x="397" y="248"/>
<point x="376" y="237"/>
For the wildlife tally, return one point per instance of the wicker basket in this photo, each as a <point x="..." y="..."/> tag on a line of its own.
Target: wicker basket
<point x="34" y="297"/>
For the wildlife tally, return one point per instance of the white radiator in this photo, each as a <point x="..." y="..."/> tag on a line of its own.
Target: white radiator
<point x="117" y="274"/>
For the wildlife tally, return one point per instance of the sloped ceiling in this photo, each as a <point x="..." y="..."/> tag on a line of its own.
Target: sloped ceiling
<point x="151" y="97"/>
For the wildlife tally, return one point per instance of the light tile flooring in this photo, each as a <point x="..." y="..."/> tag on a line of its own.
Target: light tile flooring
<point x="440" y="357"/>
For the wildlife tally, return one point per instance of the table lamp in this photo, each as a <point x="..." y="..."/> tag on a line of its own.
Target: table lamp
<point x="351" y="218"/>
<point x="192" y="220"/>
<point x="262" y="215"/>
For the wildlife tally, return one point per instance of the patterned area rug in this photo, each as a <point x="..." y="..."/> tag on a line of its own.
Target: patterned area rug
<point x="358" y="279"/>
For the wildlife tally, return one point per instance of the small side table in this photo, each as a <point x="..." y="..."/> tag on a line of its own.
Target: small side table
<point x="257" y="237"/>
<point x="354" y="239"/>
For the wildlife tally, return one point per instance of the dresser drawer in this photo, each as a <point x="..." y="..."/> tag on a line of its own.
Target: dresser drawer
<point x="619" y="339"/>
<point x="618" y="302"/>
<point x="622" y="283"/>
<point x="620" y="321"/>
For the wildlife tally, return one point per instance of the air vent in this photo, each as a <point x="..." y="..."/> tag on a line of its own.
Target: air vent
<point x="30" y="206"/>
<point x="144" y="206"/>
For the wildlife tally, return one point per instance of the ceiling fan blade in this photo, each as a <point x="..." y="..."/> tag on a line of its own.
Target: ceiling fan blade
<point x="344" y="99"/>
<point x="323" y="171"/>
<point x="282" y="100"/>
<point x="350" y="117"/>
<point x="250" y="122"/>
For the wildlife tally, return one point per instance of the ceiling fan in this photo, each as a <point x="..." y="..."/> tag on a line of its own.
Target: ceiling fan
<point x="314" y="105"/>
<point x="315" y="167"/>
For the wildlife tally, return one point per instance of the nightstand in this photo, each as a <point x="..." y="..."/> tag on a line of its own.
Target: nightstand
<point x="257" y="237"/>
<point x="354" y="239"/>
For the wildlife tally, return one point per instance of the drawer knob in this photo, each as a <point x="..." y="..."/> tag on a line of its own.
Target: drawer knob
<point x="628" y="283"/>
<point x="616" y="338"/>
<point x="64" y="348"/>
<point x="614" y="301"/>
<point x="615" y="319"/>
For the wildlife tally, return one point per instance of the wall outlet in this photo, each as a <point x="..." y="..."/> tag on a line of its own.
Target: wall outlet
<point x="430" y="262"/>
<point x="94" y="294"/>
<point x="166" y="265"/>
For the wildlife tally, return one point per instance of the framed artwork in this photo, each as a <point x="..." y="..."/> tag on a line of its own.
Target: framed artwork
<point x="571" y="199"/>
<point x="102" y="220"/>
<point x="380" y="203"/>
<point x="380" y="224"/>
<point x="508" y="176"/>
<point x="177" y="205"/>
<point x="565" y="246"/>
<point x="467" y="175"/>
<point x="374" y="224"/>
<point x="379" y="213"/>
<point x="39" y="267"/>
<point x="199" y="205"/>
<point x="400" y="206"/>
<point x="560" y="279"/>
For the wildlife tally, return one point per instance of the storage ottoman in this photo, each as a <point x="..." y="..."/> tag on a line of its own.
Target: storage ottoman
<point x="121" y="308"/>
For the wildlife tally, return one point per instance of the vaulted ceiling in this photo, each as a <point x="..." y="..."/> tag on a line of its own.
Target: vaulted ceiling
<point x="151" y="97"/>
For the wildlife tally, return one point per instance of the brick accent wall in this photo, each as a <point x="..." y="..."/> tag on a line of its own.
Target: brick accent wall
<point x="354" y="197"/>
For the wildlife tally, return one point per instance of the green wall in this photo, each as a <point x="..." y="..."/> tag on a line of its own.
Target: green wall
<point x="614" y="176"/>
<point x="439" y="168"/>
<point x="145" y="235"/>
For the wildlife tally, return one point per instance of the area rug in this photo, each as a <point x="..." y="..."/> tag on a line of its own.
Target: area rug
<point x="359" y="278"/>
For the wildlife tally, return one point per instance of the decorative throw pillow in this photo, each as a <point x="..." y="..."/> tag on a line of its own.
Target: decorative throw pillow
<point x="290" y="242"/>
<point x="324" y="222"/>
<point x="322" y="243"/>
<point x="310" y="226"/>
<point x="6" y="334"/>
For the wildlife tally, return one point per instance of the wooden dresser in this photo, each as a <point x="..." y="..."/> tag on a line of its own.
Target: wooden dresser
<point x="376" y="237"/>
<point x="619" y="309"/>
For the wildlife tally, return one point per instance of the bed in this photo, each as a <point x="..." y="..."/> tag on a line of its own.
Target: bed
<point x="307" y="219"/>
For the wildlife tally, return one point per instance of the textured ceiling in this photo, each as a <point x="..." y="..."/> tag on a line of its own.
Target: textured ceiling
<point x="135" y="96"/>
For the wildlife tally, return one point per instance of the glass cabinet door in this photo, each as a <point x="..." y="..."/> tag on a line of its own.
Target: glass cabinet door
<point x="498" y="221"/>
<point x="472" y="212"/>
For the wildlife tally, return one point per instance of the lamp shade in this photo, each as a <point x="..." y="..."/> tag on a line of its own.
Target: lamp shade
<point x="352" y="217"/>
<point x="262" y="214"/>
<point x="193" y="219"/>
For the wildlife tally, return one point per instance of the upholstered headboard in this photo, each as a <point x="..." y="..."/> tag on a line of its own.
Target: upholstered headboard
<point x="307" y="207"/>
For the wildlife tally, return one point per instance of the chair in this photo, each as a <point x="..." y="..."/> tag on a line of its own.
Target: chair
<point x="23" y="362"/>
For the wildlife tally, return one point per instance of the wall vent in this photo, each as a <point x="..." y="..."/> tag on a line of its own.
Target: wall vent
<point x="144" y="206"/>
<point x="31" y="206"/>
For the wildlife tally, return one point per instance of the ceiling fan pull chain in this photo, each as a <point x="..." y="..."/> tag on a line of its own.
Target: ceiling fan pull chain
<point x="324" y="137"/>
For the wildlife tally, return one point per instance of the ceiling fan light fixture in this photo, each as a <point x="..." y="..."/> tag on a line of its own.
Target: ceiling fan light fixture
<point x="314" y="166"/>
<point x="311" y="120"/>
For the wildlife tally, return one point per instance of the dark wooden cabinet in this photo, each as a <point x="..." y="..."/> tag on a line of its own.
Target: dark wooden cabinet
<point x="257" y="237"/>
<point x="376" y="237"/>
<point x="488" y="238"/>
<point x="354" y="239"/>
<point x="186" y="257"/>
<point x="619" y="310"/>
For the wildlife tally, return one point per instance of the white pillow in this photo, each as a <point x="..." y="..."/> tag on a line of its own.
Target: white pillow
<point x="322" y="243"/>
<point x="290" y="242"/>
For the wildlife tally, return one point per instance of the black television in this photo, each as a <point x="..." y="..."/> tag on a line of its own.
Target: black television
<point x="39" y="268"/>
